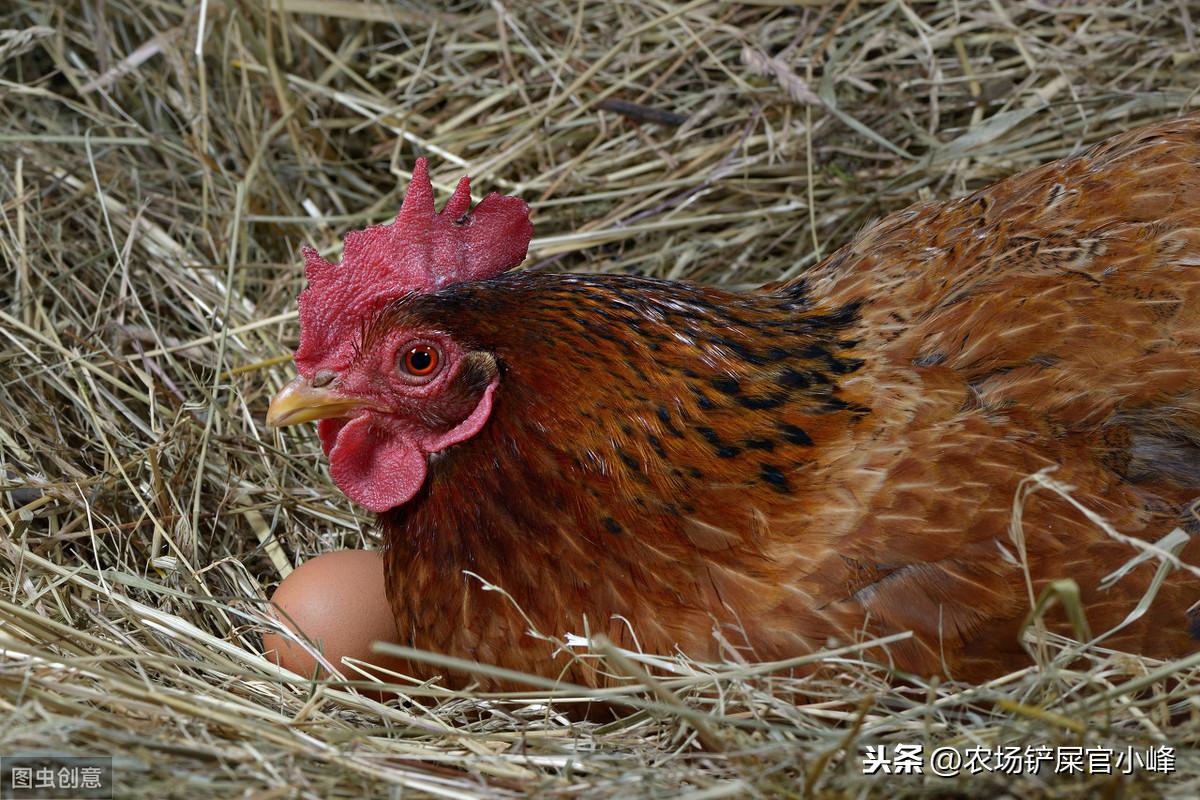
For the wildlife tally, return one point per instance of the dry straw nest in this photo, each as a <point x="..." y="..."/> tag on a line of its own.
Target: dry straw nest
<point x="161" y="164"/>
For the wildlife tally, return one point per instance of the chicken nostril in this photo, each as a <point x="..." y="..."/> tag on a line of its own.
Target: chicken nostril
<point x="323" y="378"/>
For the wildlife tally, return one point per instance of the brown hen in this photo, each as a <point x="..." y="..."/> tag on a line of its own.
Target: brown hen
<point x="684" y="467"/>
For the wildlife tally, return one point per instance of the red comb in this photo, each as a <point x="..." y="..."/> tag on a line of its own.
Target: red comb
<point x="421" y="251"/>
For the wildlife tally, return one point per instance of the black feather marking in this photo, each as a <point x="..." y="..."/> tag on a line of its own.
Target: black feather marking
<point x="657" y="445"/>
<point x="629" y="460"/>
<point x="726" y="385"/>
<point x="722" y="449"/>
<point x="793" y="379"/>
<point x="760" y="403"/>
<point x="774" y="476"/>
<point x="795" y="435"/>
<point x="778" y="354"/>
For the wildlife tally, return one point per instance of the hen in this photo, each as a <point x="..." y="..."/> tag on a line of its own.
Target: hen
<point x="684" y="467"/>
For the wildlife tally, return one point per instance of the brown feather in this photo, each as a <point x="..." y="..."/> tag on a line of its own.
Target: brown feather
<point x="684" y="467"/>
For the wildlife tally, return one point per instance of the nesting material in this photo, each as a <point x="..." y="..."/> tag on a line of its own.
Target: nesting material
<point x="153" y="205"/>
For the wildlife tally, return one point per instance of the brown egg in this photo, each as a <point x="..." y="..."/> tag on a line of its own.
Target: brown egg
<point x="338" y="601"/>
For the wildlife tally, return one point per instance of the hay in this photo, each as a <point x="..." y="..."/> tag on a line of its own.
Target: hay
<point x="153" y="205"/>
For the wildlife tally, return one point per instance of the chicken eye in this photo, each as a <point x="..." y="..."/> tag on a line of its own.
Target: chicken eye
<point x="421" y="361"/>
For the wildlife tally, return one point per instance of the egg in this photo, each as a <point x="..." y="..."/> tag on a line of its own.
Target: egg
<point x="339" y="602"/>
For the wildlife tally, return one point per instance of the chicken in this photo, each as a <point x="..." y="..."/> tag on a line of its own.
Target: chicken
<point x="760" y="474"/>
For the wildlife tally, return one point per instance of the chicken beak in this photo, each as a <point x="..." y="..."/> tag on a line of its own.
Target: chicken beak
<point x="300" y="401"/>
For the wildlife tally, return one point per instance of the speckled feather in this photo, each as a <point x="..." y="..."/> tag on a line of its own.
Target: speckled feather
<point x="682" y="467"/>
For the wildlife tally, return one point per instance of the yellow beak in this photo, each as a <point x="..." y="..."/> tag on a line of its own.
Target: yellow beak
<point x="300" y="401"/>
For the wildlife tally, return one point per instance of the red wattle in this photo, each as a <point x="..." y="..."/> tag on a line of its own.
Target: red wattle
<point x="374" y="467"/>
